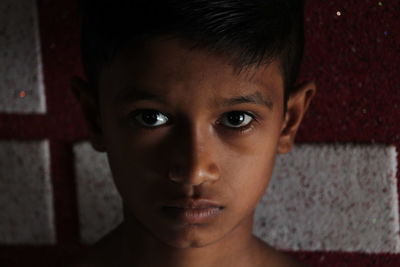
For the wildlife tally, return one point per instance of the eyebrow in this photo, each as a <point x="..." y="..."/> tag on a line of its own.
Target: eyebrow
<point x="255" y="98"/>
<point x="131" y="94"/>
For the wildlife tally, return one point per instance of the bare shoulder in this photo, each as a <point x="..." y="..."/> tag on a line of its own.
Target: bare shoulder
<point x="272" y="257"/>
<point x="284" y="260"/>
<point x="101" y="253"/>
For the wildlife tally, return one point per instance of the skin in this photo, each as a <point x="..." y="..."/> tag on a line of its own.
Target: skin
<point x="194" y="151"/>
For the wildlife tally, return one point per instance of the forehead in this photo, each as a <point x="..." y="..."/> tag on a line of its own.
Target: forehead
<point x="171" y="67"/>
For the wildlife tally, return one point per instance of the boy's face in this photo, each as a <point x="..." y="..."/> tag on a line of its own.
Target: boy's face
<point x="171" y="120"/>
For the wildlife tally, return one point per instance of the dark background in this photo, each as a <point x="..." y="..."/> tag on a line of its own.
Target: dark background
<point x="354" y="59"/>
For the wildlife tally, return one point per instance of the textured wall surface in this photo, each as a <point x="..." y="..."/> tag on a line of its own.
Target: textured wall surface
<point x="21" y="79"/>
<point x="100" y="206"/>
<point x="352" y="131"/>
<point x="26" y="197"/>
<point x="334" y="198"/>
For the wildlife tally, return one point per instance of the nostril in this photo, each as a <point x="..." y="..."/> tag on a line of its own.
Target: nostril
<point x="194" y="176"/>
<point x="213" y="171"/>
<point x="175" y="176"/>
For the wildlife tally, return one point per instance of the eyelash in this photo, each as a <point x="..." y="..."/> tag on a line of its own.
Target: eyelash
<point x="254" y="119"/>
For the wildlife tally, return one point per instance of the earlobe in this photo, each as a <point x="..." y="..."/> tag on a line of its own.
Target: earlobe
<point x="297" y="106"/>
<point x="90" y="110"/>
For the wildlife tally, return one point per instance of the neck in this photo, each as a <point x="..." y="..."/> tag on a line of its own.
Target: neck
<point x="141" y="248"/>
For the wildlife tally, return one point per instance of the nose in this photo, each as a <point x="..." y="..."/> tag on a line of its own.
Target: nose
<point x="193" y="159"/>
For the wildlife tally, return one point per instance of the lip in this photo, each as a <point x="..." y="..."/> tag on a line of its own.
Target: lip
<point x="192" y="211"/>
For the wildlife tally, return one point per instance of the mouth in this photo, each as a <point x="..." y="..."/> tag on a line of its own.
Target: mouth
<point x="192" y="211"/>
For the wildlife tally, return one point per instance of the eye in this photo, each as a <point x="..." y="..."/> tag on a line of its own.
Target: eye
<point x="237" y="119"/>
<point x="150" y="117"/>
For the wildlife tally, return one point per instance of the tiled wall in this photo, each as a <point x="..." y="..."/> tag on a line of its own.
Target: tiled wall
<point x="26" y="196"/>
<point x="336" y="191"/>
<point x="21" y="76"/>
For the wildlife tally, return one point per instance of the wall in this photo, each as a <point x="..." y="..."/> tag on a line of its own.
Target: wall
<point x="333" y="200"/>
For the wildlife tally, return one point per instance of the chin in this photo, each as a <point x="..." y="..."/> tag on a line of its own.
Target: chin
<point x="190" y="237"/>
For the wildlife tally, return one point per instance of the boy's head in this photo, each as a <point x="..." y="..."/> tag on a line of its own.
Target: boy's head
<point x="246" y="33"/>
<point x="188" y="100"/>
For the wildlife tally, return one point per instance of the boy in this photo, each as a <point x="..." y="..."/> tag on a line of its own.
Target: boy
<point x="191" y="100"/>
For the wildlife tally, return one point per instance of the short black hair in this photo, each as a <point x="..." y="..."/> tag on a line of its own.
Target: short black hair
<point x="249" y="32"/>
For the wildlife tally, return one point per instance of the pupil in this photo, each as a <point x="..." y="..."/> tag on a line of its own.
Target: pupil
<point x="150" y="117"/>
<point x="236" y="118"/>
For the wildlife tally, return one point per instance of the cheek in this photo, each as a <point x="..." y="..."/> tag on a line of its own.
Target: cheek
<point x="137" y="180"/>
<point x="132" y="168"/>
<point x="129" y="156"/>
<point x="248" y="176"/>
<point x="251" y="175"/>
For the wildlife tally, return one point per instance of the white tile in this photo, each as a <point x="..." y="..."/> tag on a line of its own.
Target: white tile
<point x="332" y="197"/>
<point x="100" y="205"/>
<point x="26" y="201"/>
<point x="20" y="57"/>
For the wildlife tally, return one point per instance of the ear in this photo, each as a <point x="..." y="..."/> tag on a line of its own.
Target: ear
<point x="90" y="110"/>
<point x="296" y="108"/>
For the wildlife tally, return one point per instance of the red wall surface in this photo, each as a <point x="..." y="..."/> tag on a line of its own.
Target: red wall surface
<point x="353" y="57"/>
